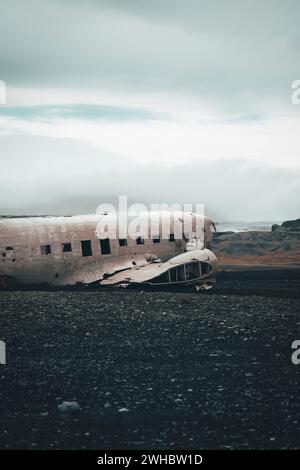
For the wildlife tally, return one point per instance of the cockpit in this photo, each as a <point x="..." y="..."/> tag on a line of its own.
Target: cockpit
<point x="188" y="272"/>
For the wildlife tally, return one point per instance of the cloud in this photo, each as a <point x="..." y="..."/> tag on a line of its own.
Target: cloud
<point x="269" y="142"/>
<point x="67" y="176"/>
<point x="236" y="53"/>
<point x="80" y="111"/>
<point x="153" y="99"/>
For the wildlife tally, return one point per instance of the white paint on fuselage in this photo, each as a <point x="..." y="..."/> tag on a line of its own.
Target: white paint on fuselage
<point x="27" y="264"/>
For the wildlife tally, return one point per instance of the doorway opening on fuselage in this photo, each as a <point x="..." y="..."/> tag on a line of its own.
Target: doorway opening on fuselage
<point x="105" y="246"/>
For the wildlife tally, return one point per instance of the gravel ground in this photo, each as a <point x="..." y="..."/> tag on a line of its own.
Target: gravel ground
<point x="149" y="370"/>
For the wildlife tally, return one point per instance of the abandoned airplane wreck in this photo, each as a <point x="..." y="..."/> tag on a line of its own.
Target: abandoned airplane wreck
<point x="67" y="250"/>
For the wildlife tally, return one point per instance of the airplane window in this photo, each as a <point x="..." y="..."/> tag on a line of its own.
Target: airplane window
<point x="177" y="274"/>
<point x="192" y="270"/>
<point x="205" y="268"/>
<point x="123" y="242"/>
<point x="105" y="246"/>
<point x="173" y="275"/>
<point x="180" y="273"/>
<point x="86" y="248"/>
<point x="140" y="241"/>
<point x="66" y="247"/>
<point x="162" y="278"/>
<point x="156" y="239"/>
<point x="45" y="249"/>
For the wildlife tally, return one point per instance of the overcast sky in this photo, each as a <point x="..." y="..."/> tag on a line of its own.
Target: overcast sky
<point x="165" y="101"/>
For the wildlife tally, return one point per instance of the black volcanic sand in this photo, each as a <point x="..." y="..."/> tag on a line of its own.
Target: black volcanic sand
<point x="271" y="282"/>
<point x="194" y="371"/>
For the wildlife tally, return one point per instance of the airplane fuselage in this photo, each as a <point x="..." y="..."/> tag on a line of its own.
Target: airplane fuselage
<point x="67" y="250"/>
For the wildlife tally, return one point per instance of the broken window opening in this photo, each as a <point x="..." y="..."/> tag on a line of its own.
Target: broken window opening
<point x="161" y="279"/>
<point x="181" y="273"/>
<point x="105" y="246"/>
<point x="172" y="237"/>
<point x="205" y="268"/>
<point x="86" y="248"/>
<point x="140" y="241"/>
<point x="45" y="249"/>
<point x="66" y="247"/>
<point x="156" y="239"/>
<point x="192" y="271"/>
<point x="123" y="242"/>
<point x="173" y="275"/>
<point x="186" y="272"/>
<point x="9" y="248"/>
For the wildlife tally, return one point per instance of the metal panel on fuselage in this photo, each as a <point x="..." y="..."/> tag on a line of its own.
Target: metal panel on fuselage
<point x="27" y="264"/>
